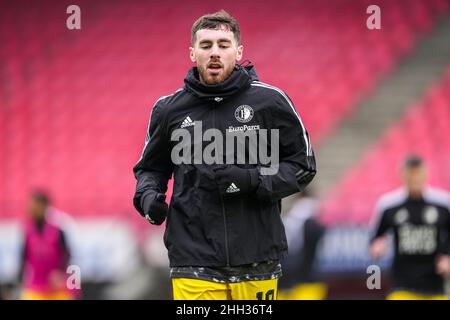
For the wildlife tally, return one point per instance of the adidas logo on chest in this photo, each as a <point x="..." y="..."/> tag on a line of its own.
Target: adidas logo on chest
<point x="233" y="188"/>
<point x="187" y="122"/>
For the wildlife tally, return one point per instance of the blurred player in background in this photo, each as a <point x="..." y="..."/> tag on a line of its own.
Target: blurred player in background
<point x="45" y="255"/>
<point x="224" y="233"/>
<point x="304" y="231"/>
<point x="419" y="218"/>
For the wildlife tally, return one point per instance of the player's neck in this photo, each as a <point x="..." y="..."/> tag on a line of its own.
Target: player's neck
<point x="416" y="196"/>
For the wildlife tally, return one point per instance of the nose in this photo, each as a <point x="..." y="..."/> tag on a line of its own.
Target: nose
<point x="215" y="51"/>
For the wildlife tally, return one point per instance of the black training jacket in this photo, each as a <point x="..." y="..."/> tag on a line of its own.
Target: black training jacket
<point x="204" y="228"/>
<point x="421" y="229"/>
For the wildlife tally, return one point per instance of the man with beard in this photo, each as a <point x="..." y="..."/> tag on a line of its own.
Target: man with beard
<point x="223" y="233"/>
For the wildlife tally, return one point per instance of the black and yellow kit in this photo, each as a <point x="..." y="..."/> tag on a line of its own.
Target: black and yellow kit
<point x="421" y="228"/>
<point x="208" y="227"/>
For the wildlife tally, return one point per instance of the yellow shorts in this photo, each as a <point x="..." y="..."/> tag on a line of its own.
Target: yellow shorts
<point x="56" y="295"/>
<point x="407" y="295"/>
<point x="305" y="291"/>
<point x="195" y="289"/>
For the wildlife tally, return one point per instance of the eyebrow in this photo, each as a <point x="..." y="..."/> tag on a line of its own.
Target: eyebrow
<point x="220" y="40"/>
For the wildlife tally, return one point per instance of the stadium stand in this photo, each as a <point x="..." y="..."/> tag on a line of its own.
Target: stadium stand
<point x="424" y="130"/>
<point x="75" y="104"/>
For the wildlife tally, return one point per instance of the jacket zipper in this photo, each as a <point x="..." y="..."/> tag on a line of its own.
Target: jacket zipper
<point x="226" y="233"/>
<point x="222" y="202"/>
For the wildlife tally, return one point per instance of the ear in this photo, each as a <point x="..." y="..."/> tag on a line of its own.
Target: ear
<point x="192" y="54"/>
<point x="239" y="52"/>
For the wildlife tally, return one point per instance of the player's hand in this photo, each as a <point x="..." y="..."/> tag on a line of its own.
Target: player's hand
<point x="443" y="265"/>
<point x="233" y="180"/>
<point x="378" y="248"/>
<point x="155" y="209"/>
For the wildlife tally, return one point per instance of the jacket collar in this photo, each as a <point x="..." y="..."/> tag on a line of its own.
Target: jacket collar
<point x="240" y="79"/>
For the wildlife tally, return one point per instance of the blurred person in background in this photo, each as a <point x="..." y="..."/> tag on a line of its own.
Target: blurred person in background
<point x="304" y="231"/>
<point x="419" y="218"/>
<point x="45" y="255"/>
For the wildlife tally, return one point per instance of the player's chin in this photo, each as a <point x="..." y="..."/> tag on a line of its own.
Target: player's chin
<point x="214" y="79"/>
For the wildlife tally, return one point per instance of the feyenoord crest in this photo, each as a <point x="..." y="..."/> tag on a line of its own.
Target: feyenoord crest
<point x="430" y="215"/>
<point x="244" y="113"/>
<point x="401" y="216"/>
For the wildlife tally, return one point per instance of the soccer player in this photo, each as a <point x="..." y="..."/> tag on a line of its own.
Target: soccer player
<point x="419" y="218"/>
<point x="304" y="232"/>
<point x="224" y="232"/>
<point x="45" y="255"/>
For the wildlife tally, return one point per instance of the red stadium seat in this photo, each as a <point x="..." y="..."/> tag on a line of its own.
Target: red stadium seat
<point x="424" y="130"/>
<point x="75" y="106"/>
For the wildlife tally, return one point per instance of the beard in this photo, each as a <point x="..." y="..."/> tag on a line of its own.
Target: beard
<point x="212" y="78"/>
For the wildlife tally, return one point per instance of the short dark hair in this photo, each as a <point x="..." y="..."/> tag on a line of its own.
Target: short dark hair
<point x="412" y="161"/>
<point x="215" y="21"/>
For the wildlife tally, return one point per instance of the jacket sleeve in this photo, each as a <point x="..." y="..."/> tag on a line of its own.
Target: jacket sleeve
<point x="297" y="165"/>
<point x="154" y="168"/>
<point x="444" y="247"/>
<point x="379" y="224"/>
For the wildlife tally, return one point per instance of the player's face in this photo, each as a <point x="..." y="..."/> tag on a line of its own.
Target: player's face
<point x="215" y="52"/>
<point x="37" y="209"/>
<point x="415" y="179"/>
